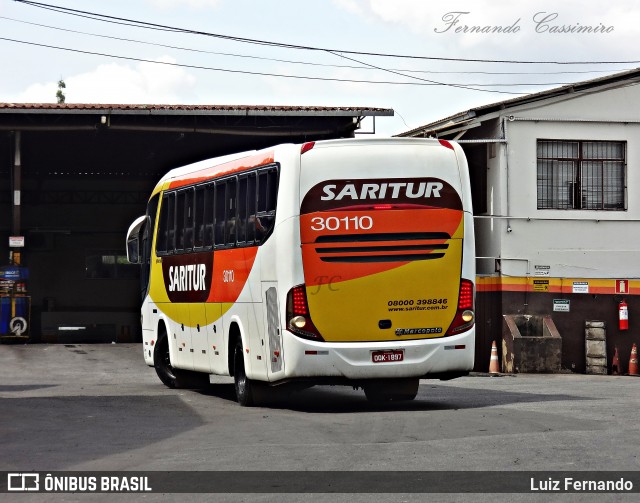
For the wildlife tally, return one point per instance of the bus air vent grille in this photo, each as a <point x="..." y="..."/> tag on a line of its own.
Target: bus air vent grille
<point x="388" y="247"/>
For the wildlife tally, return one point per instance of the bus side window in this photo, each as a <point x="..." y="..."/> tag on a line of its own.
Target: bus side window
<point x="152" y="211"/>
<point x="188" y="219"/>
<point x="220" y="217"/>
<point x="241" y="227"/>
<point x="272" y="189"/>
<point x="251" y="208"/>
<point x="209" y="207"/>
<point x="232" y="208"/>
<point x="262" y="191"/>
<point x="171" y="222"/>
<point x="198" y="217"/>
<point x="267" y="192"/>
<point x="180" y="216"/>
<point x="161" y="240"/>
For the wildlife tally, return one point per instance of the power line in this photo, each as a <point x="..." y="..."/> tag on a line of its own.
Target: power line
<point x="253" y="41"/>
<point x="155" y="26"/>
<point x="266" y="74"/>
<point x="308" y="63"/>
<point x="460" y="86"/>
<point x="423" y="82"/>
<point x="288" y="61"/>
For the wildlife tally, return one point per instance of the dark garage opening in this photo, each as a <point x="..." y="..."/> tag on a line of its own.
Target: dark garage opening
<point x="84" y="172"/>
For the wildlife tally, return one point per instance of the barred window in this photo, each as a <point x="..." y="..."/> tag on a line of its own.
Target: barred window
<point x="581" y="175"/>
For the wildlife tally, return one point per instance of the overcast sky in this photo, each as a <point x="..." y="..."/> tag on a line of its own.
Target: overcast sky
<point x="107" y="60"/>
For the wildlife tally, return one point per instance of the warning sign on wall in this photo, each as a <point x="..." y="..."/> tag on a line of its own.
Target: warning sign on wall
<point x="561" y="305"/>
<point x="16" y="241"/>
<point x="580" y="287"/>
<point x="622" y="286"/>
<point x="540" y="285"/>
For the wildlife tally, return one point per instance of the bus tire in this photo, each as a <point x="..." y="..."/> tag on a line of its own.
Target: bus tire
<point x="391" y="390"/>
<point x="171" y="377"/>
<point x="243" y="385"/>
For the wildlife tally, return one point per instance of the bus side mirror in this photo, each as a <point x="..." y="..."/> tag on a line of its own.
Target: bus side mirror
<point x="133" y="240"/>
<point x="133" y="250"/>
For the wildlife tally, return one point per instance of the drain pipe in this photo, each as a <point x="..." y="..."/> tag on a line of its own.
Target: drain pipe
<point x="505" y="135"/>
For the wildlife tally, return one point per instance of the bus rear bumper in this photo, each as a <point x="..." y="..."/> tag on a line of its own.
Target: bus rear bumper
<point x="379" y="360"/>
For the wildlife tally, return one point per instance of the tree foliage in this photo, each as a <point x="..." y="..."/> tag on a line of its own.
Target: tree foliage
<point x="60" y="94"/>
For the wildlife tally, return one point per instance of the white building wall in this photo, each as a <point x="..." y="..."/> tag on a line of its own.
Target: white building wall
<point x="573" y="243"/>
<point x="489" y="231"/>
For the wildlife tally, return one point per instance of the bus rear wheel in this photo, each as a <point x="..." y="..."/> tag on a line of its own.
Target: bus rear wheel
<point x="243" y="385"/>
<point x="391" y="390"/>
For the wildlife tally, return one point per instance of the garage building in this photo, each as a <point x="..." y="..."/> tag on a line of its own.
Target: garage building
<point x="74" y="176"/>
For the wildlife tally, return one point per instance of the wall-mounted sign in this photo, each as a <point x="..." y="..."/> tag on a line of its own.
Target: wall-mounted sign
<point x="540" y="285"/>
<point x="622" y="286"/>
<point x="580" y="287"/>
<point x="541" y="270"/>
<point x="561" y="305"/>
<point x="16" y="241"/>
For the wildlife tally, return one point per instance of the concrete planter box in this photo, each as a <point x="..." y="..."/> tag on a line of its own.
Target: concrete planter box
<point x="530" y="344"/>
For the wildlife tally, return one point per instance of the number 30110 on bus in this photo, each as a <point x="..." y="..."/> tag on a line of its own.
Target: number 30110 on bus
<point x="335" y="262"/>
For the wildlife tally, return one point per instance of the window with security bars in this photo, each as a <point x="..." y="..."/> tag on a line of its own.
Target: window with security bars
<point x="581" y="175"/>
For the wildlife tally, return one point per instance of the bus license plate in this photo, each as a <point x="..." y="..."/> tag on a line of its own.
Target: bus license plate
<point x="396" y="355"/>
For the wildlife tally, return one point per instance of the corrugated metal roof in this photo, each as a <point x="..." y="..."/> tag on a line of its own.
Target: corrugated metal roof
<point x="204" y="109"/>
<point x="617" y="78"/>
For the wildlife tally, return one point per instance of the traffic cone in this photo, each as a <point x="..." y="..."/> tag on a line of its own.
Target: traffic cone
<point x="633" y="361"/>
<point x="615" y="365"/>
<point x="494" y="366"/>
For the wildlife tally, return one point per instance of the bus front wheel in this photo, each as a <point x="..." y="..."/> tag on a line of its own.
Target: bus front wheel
<point x="162" y="362"/>
<point x="172" y="377"/>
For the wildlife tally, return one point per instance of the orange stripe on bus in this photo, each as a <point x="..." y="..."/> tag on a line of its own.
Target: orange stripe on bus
<point x="225" y="169"/>
<point x="231" y="270"/>
<point x="322" y="262"/>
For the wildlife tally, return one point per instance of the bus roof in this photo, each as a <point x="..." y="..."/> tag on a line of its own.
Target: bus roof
<point x="220" y="166"/>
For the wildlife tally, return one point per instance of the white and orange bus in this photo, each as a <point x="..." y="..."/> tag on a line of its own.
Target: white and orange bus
<point x="338" y="262"/>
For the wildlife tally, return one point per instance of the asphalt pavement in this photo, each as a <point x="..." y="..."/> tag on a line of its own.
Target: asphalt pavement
<point x="98" y="408"/>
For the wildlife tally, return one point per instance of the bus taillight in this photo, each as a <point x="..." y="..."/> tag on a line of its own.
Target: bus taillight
<point x="465" y="316"/>
<point x="298" y="317"/>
